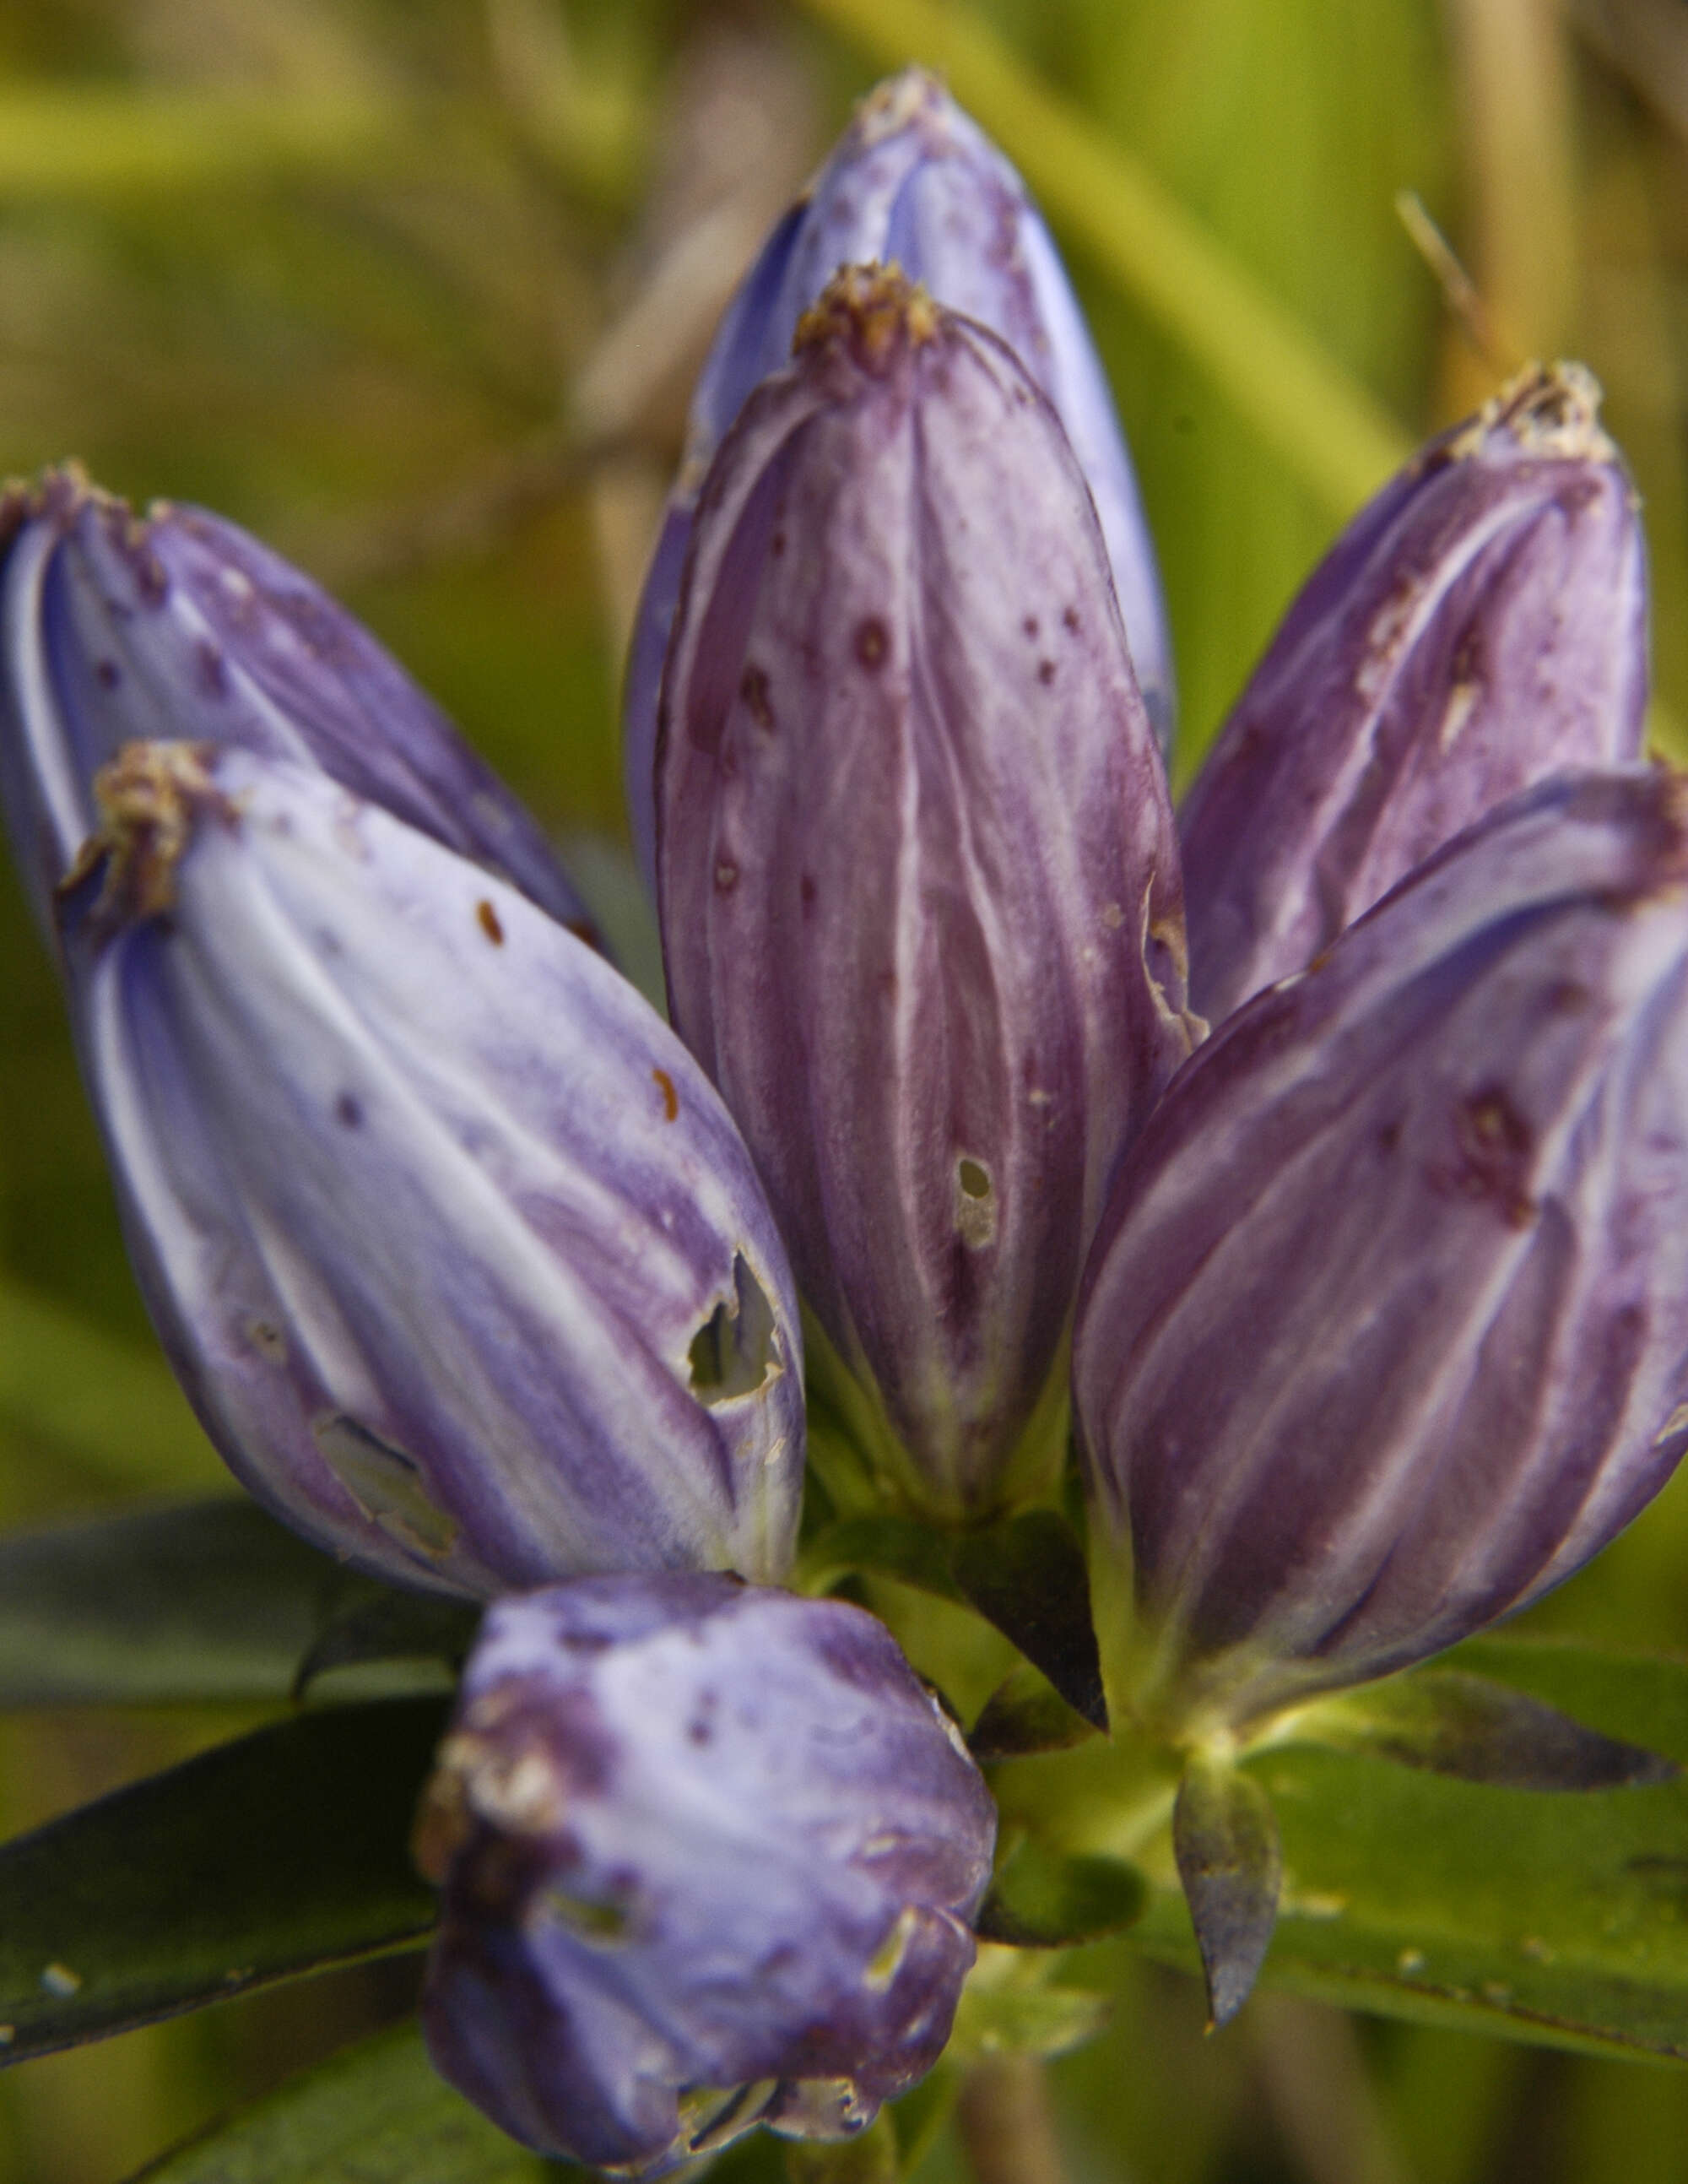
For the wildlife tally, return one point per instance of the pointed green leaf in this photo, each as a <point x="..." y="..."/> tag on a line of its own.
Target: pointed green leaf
<point x="207" y="1603"/>
<point x="1561" y="1920"/>
<point x="1231" y="1862"/>
<point x="1040" y="1901"/>
<point x="263" y="1859"/>
<point x="1026" y="1714"/>
<point x="1027" y="1576"/>
<point x="883" y="1546"/>
<point x="376" y="2115"/>
<point x="1480" y="1731"/>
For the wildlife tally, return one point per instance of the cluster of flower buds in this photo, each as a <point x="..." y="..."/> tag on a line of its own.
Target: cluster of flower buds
<point x="913" y="183"/>
<point x="1376" y="1302"/>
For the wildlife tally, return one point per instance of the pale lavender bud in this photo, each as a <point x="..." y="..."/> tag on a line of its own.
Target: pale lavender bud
<point x="1385" y="1331"/>
<point x="916" y="183"/>
<point x="120" y="629"/>
<point x="1482" y="624"/>
<point x="919" y="890"/>
<point x="459" y="1257"/>
<point x="709" y="1855"/>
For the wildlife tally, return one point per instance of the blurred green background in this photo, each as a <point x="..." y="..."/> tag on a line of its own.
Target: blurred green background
<point x="415" y="288"/>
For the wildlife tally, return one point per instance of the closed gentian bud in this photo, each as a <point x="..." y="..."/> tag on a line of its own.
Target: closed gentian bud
<point x="118" y="629"/>
<point x="919" y="890"/>
<point x="1482" y="624"/>
<point x="709" y="1855"/>
<point x="458" y="1255"/>
<point x="1383" y="1332"/>
<point x="916" y="183"/>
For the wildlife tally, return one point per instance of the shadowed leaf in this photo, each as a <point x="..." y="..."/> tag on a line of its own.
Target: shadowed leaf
<point x="1027" y="1576"/>
<point x="1026" y="1714"/>
<point x="1479" y="1731"/>
<point x="274" y="1856"/>
<point x="1039" y="1900"/>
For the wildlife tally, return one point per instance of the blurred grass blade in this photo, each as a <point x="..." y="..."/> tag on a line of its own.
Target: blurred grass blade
<point x="375" y="2115"/>
<point x="1301" y="400"/>
<point x="110" y="1405"/>
<point x="262" y="1860"/>
<point x="60" y="142"/>
<point x="207" y="1603"/>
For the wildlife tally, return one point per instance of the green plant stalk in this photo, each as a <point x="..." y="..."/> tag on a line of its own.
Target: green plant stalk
<point x="1339" y="441"/>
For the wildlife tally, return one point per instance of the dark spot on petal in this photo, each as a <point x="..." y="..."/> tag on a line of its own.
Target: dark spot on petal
<point x="1069" y="619"/>
<point x="807" y="891"/>
<point x="487" y="918"/>
<point x="348" y="1111"/>
<point x="1046" y="672"/>
<point x="210" y="669"/>
<point x="872" y="643"/>
<point x="777" y="544"/>
<point x="1030" y="625"/>
<point x="753" y="689"/>
<point x="670" y="1098"/>
<point x="1493" y="1144"/>
<point x="107" y="674"/>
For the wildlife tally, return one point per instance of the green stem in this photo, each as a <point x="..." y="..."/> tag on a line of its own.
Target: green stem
<point x="1324" y="425"/>
<point x="1007" y="2122"/>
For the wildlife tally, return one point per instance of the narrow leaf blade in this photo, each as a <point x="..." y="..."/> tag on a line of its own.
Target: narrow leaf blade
<point x="1025" y="1715"/>
<point x="376" y="2115"/>
<point x="1478" y="1731"/>
<point x="261" y="1860"/>
<point x="1040" y="1901"/>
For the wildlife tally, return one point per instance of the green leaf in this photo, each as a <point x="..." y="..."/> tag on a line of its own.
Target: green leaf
<point x="1026" y="1714"/>
<point x="1468" y="1726"/>
<point x="376" y="2115"/>
<point x="1561" y="1919"/>
<point x="1027" y="1577"/>
<point x="899" y="1547"/>
<point x="261" y="1860"/>
<point x="1039" y="1900"/>
<point x="1012" y="2005"/>
<point x="206" y="1602"/>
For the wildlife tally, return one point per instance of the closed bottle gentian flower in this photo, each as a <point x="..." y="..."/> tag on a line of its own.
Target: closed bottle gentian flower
<point x="919" y="890"/>
<point x="1385" y="1331"/>
<point x="118" y="629"/>
<point x="458" y="1255"/>
<point x="913" y="182"/>
<point x="1482" y="624"/>
<point x="709" y="1854"/>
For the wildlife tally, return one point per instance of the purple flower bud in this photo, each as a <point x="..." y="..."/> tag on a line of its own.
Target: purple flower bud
<point x="709" y="1855"/>
<point x="915" y="183"/>
<point x="919" y="890"/>
<point x="1481" y="625"/>
<point x="459" y="1258"/>
<point x="1383" y="1332"/>
<point x="117" y="629"/>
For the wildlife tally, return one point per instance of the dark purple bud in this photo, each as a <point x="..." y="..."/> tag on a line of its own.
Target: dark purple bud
<point x="1482" y="624"/>
<point x="914" y="183"/>
<point x="709" y="1855"/>
<point x="919" y="890"/>
<point x="177" y="625"/>
<point x="456" y="1251"/>
<point x="1383" y="1332"/>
